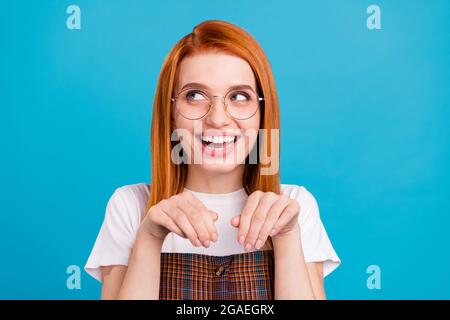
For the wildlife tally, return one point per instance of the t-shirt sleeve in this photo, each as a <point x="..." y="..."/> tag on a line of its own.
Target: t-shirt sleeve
<point x="316" y="244"/>
<point x="117" y="233"/>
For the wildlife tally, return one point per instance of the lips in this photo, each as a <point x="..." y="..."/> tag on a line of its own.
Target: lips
<point x="218" y="145"/>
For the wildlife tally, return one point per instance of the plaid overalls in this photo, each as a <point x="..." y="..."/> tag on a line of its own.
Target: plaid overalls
<point x="190" y="276"/>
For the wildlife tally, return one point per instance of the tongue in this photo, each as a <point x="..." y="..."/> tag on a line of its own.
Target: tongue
<point x="218" y="145"/>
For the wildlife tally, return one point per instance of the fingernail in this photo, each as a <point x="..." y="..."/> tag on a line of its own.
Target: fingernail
<point x="241" y="239"/>
<point x="197" y="242"/>
<point x="258" y="244"/>
<point x="214" y="237"/>
<point x="273" y="232"/>
<point x="206" y="243"/>
<point x="248" y="247"/>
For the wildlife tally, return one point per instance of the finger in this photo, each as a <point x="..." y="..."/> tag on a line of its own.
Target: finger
<point x="209" y="224"/>
<point x="258" y="219"/>
<point x="214" y="215"/>
<point x="197" y="220"/>
<point x="212" y="227"/>
<point x="272" y="217"/>
<point x="235" y="221"/>
<point x="207" y="221"/>
<point x="181" y="220"/>
<point x="286" y="216"/>
<point x="165" y="221"/>
<point x="193" y="200"/>
<point x="246" y="215"/>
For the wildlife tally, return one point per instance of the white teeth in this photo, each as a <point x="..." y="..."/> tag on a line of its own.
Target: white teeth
<point x="207" y="138"/>
<point x="218" y="139"/>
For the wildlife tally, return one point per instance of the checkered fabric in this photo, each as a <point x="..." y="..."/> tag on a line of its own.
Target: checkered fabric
<point x="189" y="276"/>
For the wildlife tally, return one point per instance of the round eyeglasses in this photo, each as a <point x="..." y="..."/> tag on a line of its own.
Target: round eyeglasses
<point x="194" y="104"/>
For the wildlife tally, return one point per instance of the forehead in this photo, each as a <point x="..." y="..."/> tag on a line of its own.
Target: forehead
<point x="218" y="71"/>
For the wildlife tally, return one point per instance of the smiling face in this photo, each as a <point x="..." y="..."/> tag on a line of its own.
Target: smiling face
<point x="220" y="141"/>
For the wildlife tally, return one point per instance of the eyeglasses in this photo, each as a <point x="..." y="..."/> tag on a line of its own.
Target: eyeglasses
<point x="194" y="104"/>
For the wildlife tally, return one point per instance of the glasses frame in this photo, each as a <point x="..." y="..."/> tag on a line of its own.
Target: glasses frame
<point x="211" y="102"/>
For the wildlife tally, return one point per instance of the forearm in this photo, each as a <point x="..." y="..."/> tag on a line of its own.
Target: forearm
<point x="142" y="278"/>
<point x="292" y="280"/>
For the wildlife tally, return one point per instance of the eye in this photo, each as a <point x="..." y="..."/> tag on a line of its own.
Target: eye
<point x="195" y="96"/>
<point x="239" y="96"/>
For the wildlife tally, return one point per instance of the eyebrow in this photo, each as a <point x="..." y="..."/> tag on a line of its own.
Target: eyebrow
<point x="196" y="85"/>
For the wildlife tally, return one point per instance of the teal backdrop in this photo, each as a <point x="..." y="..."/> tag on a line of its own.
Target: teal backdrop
<point x="365" y="120"/>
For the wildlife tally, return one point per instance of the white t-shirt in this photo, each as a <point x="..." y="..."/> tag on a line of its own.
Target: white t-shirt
<point x="124" y="212"/>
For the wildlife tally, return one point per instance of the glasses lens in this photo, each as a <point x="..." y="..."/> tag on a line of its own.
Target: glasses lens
<point x="242" y="104"/>
<point x="193" y="104"/>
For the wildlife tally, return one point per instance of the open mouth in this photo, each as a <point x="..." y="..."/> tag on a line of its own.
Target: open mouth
<point x="217" y="142"/>
<point x="218" y="146"/>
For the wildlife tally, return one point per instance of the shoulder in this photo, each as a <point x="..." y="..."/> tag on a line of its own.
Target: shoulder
<point x="126" y="204"/>
<point x="132" y="193"/>
<point x="300" y="193"/>
<point x="117" y="233"/>
<point x="316" y="244"/>
<point x="309" y="209"/>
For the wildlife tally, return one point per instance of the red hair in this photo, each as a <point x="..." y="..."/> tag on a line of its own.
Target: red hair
<point x="168" y="178"/>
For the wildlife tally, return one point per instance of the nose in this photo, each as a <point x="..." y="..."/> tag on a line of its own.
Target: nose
<point x="217" y="115"/>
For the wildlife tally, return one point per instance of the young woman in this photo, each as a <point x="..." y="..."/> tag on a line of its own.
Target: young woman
<point x="215" y="222"/>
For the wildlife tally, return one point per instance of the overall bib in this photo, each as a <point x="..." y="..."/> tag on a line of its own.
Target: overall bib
<point x="191" y="276"/>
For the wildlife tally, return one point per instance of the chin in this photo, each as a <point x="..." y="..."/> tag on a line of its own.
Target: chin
<point x="219" y="168"/>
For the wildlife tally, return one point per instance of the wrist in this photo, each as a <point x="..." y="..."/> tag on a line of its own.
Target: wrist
<point x="292" y="237"/>
<point x="144" y="239"/>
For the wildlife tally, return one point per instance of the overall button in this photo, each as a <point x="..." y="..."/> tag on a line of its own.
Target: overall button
<point x="220" y="270"/>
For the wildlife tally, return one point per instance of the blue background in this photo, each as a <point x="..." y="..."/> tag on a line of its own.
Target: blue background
<point x="365" y="127"/>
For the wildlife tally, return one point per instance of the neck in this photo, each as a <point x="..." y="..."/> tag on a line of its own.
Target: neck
<point x="217" y="182"/>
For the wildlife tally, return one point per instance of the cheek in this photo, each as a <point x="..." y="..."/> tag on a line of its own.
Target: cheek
<point x="251" y="124"/>
<point x="185" y="130"/>
<point x="250" y="128"/>
<point x="181" y="123"/>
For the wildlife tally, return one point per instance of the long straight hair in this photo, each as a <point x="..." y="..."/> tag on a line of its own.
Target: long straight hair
<point x="168" y="178"/>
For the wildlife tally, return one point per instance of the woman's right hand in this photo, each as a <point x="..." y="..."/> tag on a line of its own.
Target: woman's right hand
<point x="184" y="215"/>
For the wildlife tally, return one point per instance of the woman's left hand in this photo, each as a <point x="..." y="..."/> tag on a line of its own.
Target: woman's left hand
<point x="266" y="214"/>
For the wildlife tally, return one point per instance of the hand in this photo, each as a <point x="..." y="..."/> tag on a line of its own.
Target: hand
<point x="266" y="214"/>
<point x="184" y="215"/>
